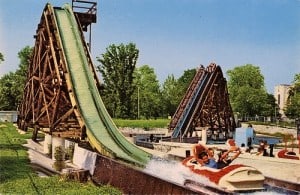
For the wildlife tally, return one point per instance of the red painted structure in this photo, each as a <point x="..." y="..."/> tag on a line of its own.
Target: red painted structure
<point x="287" y="154"/>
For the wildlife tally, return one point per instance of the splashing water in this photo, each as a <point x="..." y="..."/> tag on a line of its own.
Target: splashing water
<point x="173" y="171"/>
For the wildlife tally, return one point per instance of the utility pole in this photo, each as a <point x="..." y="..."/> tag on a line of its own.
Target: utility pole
<point x="138" y="102"/>
<point x="298" y="132"/>
<point x="275" y="116"/>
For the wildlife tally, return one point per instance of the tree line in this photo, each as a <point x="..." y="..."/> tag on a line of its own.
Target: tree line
<point x="132" y="92"/>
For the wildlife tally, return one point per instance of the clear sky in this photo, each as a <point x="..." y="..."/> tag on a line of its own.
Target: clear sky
<point x="176" y="35"/>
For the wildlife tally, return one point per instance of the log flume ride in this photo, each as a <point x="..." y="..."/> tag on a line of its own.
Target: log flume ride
<point x="61" y="98"/>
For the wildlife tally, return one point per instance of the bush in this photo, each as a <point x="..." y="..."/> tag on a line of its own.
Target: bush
<point x="59" y="153"/>
<point x="70" y="152"/>
<point x="59" y="163"/>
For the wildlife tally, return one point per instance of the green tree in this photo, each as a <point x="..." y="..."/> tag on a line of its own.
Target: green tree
<point x="149" y="95"/>
<point x="116" y="67"/>
<point x="170" y="95"/>
<point x="12" y="84"/>
<point x="247" y="92"/>
<point x="184" y="82"/>
<point x="292" y="109"/>
<point x="173" y="90"/>
<point x="8" y="100"/>
<point x="24" y="56"/>
<point x="271" y="107"/>
<point x="1" y="57"/>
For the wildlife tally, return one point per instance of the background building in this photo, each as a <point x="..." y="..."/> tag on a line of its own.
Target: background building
<point x="281" y="94"/>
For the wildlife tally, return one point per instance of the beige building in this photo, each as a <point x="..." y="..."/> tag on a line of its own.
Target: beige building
<point x="281" y="94"/>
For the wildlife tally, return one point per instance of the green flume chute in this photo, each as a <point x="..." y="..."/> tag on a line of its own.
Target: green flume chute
<point x="101" y="130"/>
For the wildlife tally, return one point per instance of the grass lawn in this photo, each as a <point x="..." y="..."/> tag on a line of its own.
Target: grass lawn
<point x="17" y="177"/>
<point x="142" y="123"/>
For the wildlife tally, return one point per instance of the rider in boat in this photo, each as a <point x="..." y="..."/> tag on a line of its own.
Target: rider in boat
<point x="224" y="158"/>
<point x="235" y="177"/>
<point x="206" y="161"/>
<point x="204" y="156"/>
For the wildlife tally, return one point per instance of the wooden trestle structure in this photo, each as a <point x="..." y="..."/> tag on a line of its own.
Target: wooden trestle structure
<point x="48" y="101"/>
<point x="205" y="105"/>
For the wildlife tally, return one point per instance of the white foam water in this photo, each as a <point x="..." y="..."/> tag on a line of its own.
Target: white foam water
<point x="174" y="171"/>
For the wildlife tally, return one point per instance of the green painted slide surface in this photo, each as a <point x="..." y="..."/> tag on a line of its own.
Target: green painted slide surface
<point x="101" y="130"/>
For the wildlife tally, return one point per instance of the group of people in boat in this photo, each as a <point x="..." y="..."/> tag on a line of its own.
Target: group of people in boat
<point x="205" y="156"/>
